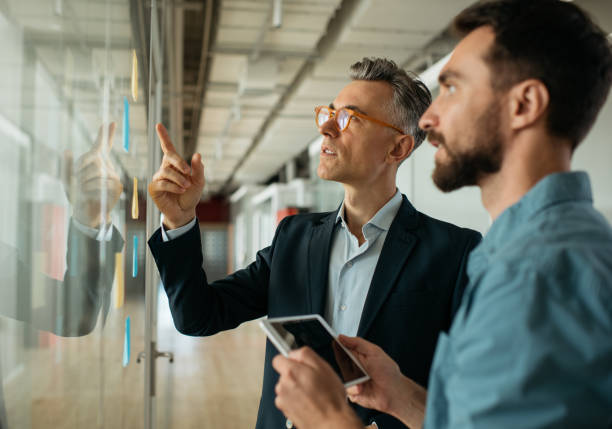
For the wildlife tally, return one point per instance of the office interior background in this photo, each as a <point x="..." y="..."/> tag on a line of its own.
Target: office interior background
<point x="86" y="337"/>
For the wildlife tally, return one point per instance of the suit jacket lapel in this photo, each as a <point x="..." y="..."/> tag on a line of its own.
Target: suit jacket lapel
<point x="398" y="245"/>
<point x="318" y="261"/>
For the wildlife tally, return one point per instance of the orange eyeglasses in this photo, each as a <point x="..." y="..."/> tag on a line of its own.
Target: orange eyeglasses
<point x="343" y="117"/>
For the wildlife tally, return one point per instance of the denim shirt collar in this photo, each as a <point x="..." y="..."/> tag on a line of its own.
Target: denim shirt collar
<point x="551" y="190"/>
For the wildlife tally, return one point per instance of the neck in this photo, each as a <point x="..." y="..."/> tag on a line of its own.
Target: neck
<point x="362" y="203"/>
<point x="526" y="162"/>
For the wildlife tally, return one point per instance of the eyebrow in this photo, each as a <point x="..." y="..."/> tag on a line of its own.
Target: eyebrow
<point x="349" y="106"/>
<point x="448" y="74"/>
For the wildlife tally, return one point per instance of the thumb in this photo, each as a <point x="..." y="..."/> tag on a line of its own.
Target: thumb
<point x="197" y="169"/>
<point x="356" y="344"/>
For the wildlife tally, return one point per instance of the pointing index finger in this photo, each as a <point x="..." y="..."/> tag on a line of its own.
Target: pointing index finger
<point x="169" y="150"/>
<point x="166" y="144"/>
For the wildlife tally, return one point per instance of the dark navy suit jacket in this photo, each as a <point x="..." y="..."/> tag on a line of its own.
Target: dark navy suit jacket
<point x="416" y="288"/>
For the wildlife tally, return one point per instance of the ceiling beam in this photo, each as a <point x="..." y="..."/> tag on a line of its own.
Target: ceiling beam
<point x="211" y="18"/>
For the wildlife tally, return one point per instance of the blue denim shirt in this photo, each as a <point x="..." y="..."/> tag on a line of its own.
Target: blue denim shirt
<point x="531" y="345"/>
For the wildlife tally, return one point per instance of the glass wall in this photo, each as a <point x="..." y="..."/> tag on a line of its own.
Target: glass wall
<point x="72" y="232"/>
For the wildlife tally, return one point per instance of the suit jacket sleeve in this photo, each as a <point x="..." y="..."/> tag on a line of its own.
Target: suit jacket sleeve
<point x="200" y="308"/>
<point x="72" y="305"/>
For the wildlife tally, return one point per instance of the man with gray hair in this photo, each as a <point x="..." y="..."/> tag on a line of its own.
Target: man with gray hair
<point x="374" y="266"/>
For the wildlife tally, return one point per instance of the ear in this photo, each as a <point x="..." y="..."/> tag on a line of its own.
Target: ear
<point x="529" y="101"/>
<point x="402" y="148"/>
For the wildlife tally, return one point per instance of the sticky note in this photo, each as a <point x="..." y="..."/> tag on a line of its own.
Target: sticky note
<point x="135" y="257"/>
<point x="126" y="342"/>
<point x="119" y="281"/>
<point x="135" y="199"/>
<point x="134" y="75"/>
<point x="126" y="124"/>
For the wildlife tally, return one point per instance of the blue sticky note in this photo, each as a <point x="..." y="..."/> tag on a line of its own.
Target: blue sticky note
<point x="126" y="124"/>
<point x="126" y="343"/>
<point x="135" y="257"/>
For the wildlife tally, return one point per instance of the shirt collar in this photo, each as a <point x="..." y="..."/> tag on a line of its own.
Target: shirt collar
<point x="551" y="190"/>
<point x="383" y="217"/>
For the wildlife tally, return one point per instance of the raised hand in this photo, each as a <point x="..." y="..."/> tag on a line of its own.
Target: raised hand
<point x="176" y="188"/>
<point x="95" y="188"/>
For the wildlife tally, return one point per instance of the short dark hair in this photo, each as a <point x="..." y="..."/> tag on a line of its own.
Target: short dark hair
<point x="555" y="42"/>
<point x="411" y="98"/>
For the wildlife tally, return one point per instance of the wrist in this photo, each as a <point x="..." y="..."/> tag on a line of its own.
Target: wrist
<point x="399" y="398"/>
<point x="408" y="404"/>
<point x="344" y="419"/>
<point x="90" y="218"/>
<point x="171" y="224"/>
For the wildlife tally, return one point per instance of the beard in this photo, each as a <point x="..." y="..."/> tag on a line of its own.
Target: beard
<point x="466" y="168"/>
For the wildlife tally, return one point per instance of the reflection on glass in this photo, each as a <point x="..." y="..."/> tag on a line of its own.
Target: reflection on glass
<point x="135" y="257"/>
<point x="68" y="298"/>
<point x="126" y="124"/>
<point x="135" y="199"/>
<point x="66" y="74"/>
<point x="134" y="76"/>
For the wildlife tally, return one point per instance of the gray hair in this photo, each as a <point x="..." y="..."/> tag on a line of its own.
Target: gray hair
<point x="411" y="98"/>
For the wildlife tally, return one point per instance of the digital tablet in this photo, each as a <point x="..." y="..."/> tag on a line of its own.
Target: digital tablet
<point x="290" y="333"/>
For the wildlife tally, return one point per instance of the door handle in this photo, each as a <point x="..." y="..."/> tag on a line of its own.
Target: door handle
<point x="157" y="354"/>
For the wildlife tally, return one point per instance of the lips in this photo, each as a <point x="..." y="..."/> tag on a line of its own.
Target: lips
<point x="435" y="139"/>
<point x="326" y="150"/>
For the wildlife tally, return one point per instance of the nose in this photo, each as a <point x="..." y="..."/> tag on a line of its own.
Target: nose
<point x="429" y="120"/>
<point x="329" y="128"/>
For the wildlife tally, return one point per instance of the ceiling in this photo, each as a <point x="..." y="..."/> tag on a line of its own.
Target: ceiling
<point x="264" y="82"/>
<point x="240" y="84"/>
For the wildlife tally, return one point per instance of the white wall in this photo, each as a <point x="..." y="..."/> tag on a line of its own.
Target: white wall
<point x="464" y="207"/>
<point x="594" y="155"/>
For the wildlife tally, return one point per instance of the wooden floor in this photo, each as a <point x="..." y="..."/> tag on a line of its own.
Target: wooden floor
<point x="75" y="383"/>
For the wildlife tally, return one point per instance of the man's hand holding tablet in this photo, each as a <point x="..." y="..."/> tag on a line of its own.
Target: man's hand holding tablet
<point x="292" y="333"/>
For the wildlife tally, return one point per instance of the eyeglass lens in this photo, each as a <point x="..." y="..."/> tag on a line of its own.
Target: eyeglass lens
<point x="341" y="117"/>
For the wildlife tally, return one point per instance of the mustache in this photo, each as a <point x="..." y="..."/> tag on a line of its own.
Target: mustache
<point x="437" y="137"/>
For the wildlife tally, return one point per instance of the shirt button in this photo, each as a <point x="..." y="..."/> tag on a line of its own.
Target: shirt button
<point x="349" y="264"/>
<point x="343" y="307"/>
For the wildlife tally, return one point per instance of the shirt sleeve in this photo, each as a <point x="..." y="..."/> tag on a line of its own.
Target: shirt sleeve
<point x="532" y="350"/>
<point x="171" y="234"/>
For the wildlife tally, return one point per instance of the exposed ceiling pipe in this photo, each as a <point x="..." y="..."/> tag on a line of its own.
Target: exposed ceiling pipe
<point x="211" y="8"/>
<point x="430" y="76"/>
<point x="346" y="13"/>
<point x="179" y="45"/>
<point x="174" y="52"/>
<point x="277" y="13"/>
<point x="274" y="14"/>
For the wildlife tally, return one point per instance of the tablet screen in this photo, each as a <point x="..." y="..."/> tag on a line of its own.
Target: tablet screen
<point x="311" y="333"/>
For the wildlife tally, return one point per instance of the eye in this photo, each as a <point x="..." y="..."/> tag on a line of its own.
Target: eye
<point x="451" y="88"/>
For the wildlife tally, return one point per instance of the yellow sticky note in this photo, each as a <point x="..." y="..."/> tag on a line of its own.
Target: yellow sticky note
<point x="134" y="75"/>
<point x="135" y="200"/>
<point x="119" y="281"/>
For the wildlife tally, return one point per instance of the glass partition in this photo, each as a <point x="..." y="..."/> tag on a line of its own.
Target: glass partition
<point x="73" y="152"/>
